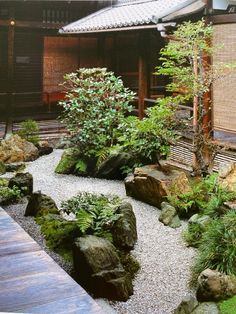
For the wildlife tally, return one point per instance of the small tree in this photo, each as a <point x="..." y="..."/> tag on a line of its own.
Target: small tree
<point x="96" y="103"/>
<point x="186" y="60"/>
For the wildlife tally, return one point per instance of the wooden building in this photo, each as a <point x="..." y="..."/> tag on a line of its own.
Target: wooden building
<point x="33" y="56"/>
<point x="128" y="41"/>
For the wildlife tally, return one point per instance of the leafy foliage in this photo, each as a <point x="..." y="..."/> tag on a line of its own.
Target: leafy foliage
<point x="191" y="75"/>
<point x="9" y="195"/>
<point x="206" y="196"/>
<point x="150" y="138"/>
<point x="96" y="103"/>
<point x="29" y="130"/>
<point x="193" y="235"/>
<point x="95" y="214"/>
<point x="218" y="249"/>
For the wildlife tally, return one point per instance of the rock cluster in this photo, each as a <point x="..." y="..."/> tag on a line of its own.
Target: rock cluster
<point x="17" y="149"/>
<point x="40" y="204"/>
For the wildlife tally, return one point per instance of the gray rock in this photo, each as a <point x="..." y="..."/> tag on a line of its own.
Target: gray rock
<point x="40" y="204"/>
<point x="124" y="231"/>
<point x="206" y="308"/>
<point x="200" y="220"/>
<point x="15" y="167"/>
<point x="98" y="268"/>
<point x="111" y="166"/>
<point x="225" y="169"/>
<point x="188" y="304"/>
<point x="24" y="181"/>
<point x="169" y="216"/>
<point x="215" y="286"/>
<point x="2" y="168"/>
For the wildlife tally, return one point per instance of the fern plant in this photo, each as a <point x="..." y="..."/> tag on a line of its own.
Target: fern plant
<point x="95" y="214"/>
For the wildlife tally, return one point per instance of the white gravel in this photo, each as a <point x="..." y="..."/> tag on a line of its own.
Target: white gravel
<point x="165" y="262"/>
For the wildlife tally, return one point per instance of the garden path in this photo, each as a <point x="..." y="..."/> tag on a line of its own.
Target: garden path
<point x="165" y="261"/>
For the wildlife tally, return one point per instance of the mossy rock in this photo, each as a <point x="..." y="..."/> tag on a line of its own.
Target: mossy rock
<point x="40" y="204"/>
<point x="130" y="263"/>
<point x="24" y="182"/>
<point x="68" y="161"/>
<point x="2" y="168"/>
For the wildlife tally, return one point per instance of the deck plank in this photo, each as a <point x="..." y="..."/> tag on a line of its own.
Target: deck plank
<point x="31" y="282"/>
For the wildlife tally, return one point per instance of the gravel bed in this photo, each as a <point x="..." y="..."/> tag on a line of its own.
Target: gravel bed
<point x="165" y="262"/>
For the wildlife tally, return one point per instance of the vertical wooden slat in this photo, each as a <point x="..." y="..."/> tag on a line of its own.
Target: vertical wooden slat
<point x="142" y="73"/>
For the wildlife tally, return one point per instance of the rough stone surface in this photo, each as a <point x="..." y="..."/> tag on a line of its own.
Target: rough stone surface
<point x="2" y="168"/>
<point x="151" y="184"/>
<point x="206" y="308"/>
<point x="169" y="216"/>
<point x="225" y="169"/>
<point x="44" y="148"/>
<point x="187" y="305"/>
<point x="111" y="166"/>
<point x="98" y="268"/>
<point x="229" y="178"/>
<point x="215" y="286"/>
<point x="24" y="181"/>
<point x="125" y="231"/>
<point x="17" y="149"/>
<point x="40" y="204"/>
<point x="200" y="220"/>
<point x="15" y="167"/>
<point x="68" y="161"/>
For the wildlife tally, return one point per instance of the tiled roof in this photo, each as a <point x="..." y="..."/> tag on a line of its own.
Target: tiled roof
<point x="126" y="13"/>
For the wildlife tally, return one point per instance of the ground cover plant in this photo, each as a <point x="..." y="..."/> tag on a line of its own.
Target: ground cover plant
<point x="9" y="195"/>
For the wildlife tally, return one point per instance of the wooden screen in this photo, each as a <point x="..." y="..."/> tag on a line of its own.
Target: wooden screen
<point x="224" y="97"/>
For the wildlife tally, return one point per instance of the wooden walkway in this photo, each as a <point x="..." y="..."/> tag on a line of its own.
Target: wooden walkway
<point x="31" y="282"/>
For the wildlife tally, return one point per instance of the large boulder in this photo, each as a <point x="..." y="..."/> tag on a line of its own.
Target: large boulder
<point x="99" y="270"/>
<point x="16" y="149"/>
<point x="2" y="168"/>
<point x="40" y="204"/>
<point x="110" y="168"/>
<point x="215" y="286"/>
<point x="24" y="181"/>
<point x="152" y="183"/>
<point x="68" y="161"/>
<point x="169" y="216"/>
<point x="124" y="231"/>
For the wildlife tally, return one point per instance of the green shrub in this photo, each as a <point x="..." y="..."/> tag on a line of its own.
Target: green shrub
<point x="218" y="246"/>
<point x="95" y="214"/>
<point x="9" y="195"/>
<point x="193" y="234"/>
<point x="150" y="138"/>
<point x="29" y="130"/>
<point x="96" y="103"/>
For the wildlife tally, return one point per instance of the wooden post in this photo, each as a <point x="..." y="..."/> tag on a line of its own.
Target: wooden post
<point x="142" y="74"/>
<point x="11" y="37"/>
<point x="195" y="110"/>
<point x="100" y="50"/>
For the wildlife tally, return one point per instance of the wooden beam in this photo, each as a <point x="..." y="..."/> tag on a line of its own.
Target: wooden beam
<point x="143" y="74"/>
<point x="223" y="19"/>
<point x="31" y="24"/>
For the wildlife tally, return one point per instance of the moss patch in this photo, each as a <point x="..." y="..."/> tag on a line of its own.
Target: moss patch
<point x="228" y="306"/>
<point x="130" y="263"/>
<point x="68" y="161"/>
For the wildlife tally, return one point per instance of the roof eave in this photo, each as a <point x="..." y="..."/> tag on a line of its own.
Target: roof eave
<point x="130" y="28"/>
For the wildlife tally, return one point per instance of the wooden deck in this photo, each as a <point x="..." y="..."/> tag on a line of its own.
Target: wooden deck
<point x="31" y="282"/>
